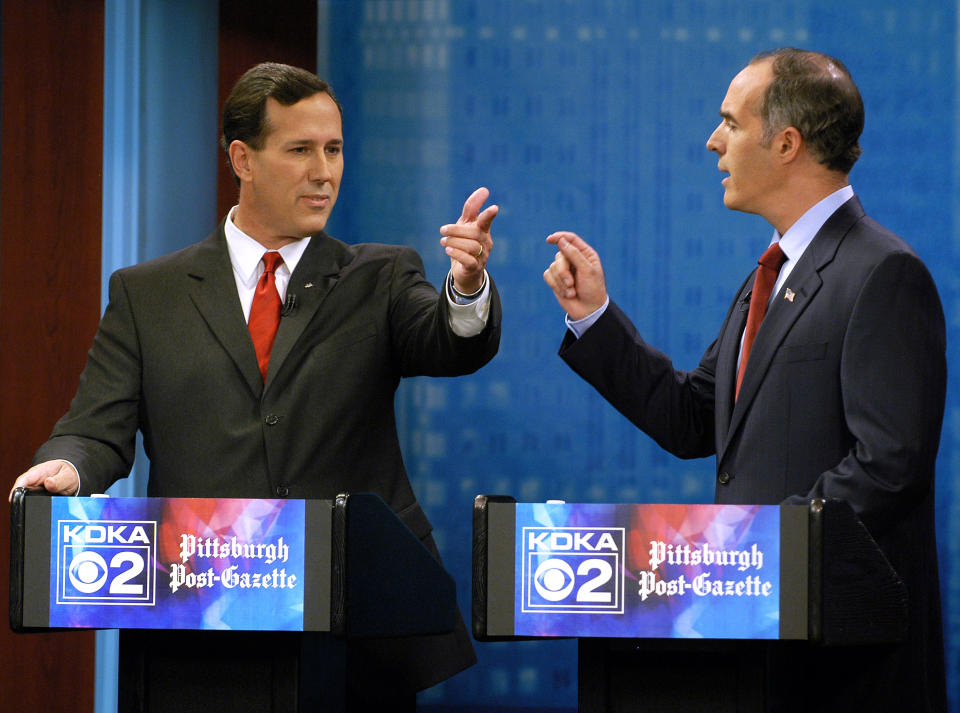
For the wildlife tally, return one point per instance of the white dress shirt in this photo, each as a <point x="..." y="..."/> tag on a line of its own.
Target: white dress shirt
<point x="466" y="320"/>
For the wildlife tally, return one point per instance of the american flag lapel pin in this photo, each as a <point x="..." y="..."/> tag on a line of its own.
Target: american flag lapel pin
<point x="789" y="294"/>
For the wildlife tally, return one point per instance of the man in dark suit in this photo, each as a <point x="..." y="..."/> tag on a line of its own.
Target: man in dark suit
<point x="313" y="415"/>
<point x="840" y="394"/>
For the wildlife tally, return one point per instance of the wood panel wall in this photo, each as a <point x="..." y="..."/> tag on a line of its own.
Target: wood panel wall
<point x="51" y="160"/>
<point x="50" y="237"/>
<point x="248" y="35"/>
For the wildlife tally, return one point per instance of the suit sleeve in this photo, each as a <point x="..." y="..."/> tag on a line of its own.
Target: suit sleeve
<point x="893" y="381"/>
<point x="420" y="320"/>
<point x="674" y="407"/>
<point x="98" y="432"/>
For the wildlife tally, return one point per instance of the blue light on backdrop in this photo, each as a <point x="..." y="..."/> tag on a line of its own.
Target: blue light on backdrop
<point x="592" y="116"/>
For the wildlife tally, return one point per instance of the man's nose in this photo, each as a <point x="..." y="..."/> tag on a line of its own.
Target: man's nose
<point x="713" y="143"/>
<point x="319" y="169"/>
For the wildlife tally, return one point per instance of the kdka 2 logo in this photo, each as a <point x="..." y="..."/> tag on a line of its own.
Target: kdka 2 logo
<point x="573" y="570"/>
<point x="106" y="562"/>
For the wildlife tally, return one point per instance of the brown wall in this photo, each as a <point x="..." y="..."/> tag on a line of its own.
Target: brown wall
<point x="50" y="215"/>
<point x="248" y="35"/>
<point x="50" y="256"/>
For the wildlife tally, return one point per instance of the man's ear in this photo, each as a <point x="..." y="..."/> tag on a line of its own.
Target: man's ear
<point x="240" y="158"/>
<point x="788" y="144"/>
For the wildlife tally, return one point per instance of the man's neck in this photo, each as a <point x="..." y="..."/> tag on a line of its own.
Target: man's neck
<point x="801" y="195"/>
<point x="256" y="232"/>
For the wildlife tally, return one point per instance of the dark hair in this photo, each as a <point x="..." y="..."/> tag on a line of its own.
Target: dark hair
<point x="814" y="94"/>
<point x="245" y="111"/>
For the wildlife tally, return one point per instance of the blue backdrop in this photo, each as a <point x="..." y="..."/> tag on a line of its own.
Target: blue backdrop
<point x="588" y="116"/>
<point x="592" y="116"/>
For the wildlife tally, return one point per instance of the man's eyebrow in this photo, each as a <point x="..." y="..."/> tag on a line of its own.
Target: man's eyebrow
<point x="313" y="142"/>
<point x="727" y="115"/>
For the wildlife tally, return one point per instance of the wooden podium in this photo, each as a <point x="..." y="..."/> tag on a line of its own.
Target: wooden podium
<point x="836" y="588"/>
<point x="365" y="575"/>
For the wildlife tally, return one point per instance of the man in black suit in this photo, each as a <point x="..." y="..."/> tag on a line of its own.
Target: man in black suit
<point x="313" y="416"/>
<point x="840" y="394"/>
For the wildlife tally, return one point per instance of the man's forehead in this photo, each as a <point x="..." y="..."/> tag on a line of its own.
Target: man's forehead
<point x="316" y="111"/>
<point x="747" y="87"/>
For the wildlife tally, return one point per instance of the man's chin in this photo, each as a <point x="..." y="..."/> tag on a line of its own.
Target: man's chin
<point x="313" y="225"/>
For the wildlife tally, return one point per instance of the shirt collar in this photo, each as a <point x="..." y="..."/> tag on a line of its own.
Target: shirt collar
<point x="795" y="241"/>
<point x="246" y="253"/>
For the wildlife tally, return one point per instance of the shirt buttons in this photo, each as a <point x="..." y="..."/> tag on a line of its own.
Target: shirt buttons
<point x="724" y="478"/>
<point x="282" y="491"/>
<point x="272" y="420"/>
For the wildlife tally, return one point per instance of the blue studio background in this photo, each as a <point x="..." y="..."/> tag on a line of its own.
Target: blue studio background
<point x="587" y="116"/>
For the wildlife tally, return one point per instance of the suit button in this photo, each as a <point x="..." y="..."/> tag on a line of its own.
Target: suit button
<point x="724" y="478"/>
<point x="282" y="491"/>
<point x="272" y="420"/>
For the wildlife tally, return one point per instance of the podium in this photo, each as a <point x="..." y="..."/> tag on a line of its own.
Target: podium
<point x="680" y="607"/>
<point x="226" y="604"/>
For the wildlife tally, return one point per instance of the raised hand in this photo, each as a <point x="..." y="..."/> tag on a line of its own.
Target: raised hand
<point x="575" y="275"/>
<point x="468" y="242"/>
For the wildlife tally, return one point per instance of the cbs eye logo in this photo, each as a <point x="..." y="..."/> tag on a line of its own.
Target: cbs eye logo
<point x="572" y="570"/>
<point x="106" y="562"/>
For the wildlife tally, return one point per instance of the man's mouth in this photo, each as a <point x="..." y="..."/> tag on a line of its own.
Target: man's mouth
<point x="317" y="200"/>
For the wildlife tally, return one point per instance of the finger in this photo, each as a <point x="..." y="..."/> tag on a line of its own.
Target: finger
<point x="471" y="246"/>
<point x="554" y="238"/>
<point x="561" y="268"/>
<point x="471" y="261"/>
<point x="468" y="231"/>
<point x="571" y="238"/>
<point x="551" y="280"/>
<point x="33" y="478"/>
<point x="562" y="293"/>
<point x="560" y="279"/>
<point x="485" y="219"/>
<point x="471" y="207"/>
<point x="580" y="255"/>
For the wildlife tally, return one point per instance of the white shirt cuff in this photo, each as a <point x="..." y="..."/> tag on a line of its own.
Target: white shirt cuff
<point x="468" y="320"/>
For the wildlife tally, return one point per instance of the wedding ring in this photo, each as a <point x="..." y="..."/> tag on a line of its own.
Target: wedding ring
<point x="480" y="253"/>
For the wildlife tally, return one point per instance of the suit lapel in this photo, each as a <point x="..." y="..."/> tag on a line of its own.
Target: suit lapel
<point x="214" y="292"/>
<point x="803" y="284"/>
<point x="727" y="360"/>
<point x="315" y="275"/>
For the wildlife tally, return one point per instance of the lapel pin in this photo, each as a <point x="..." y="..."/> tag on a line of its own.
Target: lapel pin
<point x="789" y="295"/>
<point x="308" y="285"/>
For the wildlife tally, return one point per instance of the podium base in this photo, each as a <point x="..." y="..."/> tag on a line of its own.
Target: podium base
<point x="164" y="671"/>
<point x="665" y="676"/>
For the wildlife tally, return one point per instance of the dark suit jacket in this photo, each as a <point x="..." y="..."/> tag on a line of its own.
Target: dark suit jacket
<point x="843" y="397"/>
<point x="173" y="357"/>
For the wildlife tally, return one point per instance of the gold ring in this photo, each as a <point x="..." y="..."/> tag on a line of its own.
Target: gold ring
<point x="479" y="254"/>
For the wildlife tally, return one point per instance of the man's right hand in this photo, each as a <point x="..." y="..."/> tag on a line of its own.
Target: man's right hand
<point x="576" y="276"/>
<point x="57" y="477"/>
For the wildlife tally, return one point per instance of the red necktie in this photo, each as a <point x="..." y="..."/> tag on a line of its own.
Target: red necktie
<point x="265" y="311"/>
<point x="770" y="263"/>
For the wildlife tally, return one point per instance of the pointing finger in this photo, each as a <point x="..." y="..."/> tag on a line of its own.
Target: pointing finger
<point x="471" y="206"/>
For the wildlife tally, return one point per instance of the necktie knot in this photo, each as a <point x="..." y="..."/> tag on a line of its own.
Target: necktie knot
<point x="773" y="257"/>
<point x="271" y="261"/>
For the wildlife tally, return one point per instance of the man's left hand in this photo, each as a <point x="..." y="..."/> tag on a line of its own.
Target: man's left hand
<point x="468" y="242"/>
